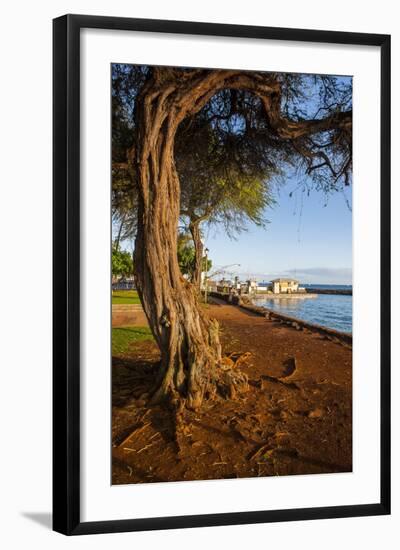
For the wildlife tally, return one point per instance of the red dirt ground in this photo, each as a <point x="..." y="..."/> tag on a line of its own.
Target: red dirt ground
<point x="295" y="419"/>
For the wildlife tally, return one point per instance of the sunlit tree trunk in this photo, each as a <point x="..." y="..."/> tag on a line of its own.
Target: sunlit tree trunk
<point x="188" y="340"/>
<point x="194" y="228"/>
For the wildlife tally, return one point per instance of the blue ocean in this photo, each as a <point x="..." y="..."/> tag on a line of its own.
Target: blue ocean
<point x="329" y="310"/>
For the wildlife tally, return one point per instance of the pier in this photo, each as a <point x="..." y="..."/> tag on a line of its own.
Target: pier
<point x="336" y="291"/>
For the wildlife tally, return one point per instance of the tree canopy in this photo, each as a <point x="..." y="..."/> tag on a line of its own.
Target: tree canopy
<point x="229" y="154"/>
<point x="308" y="124"/>
<point x="121" y="262"/>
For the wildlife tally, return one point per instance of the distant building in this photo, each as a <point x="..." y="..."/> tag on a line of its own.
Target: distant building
<point x="211" y="285"/>
<point x="285" y="286"/>
<point x="224" y="286"/>
<point x="126" y="283"/>
<point x="264" y="285"/>
<point x="251" y="286"/>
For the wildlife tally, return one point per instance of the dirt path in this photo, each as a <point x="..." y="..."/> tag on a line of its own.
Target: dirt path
<point x="296" y="418"/>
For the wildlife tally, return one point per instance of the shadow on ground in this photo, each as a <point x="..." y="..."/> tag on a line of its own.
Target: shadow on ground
<point x="45" y="519"/>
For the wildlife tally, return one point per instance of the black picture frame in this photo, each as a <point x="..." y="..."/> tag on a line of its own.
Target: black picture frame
<point x="66" y="273"/>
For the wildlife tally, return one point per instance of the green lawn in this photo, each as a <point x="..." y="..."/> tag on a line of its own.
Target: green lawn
<point x="125" y="297"/>
<point x="123" y="337"/>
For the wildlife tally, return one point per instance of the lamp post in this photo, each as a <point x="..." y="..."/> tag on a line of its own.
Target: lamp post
<point x="206" y="274"/>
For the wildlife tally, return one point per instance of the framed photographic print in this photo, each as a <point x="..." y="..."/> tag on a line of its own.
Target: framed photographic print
<point x="221" y="274"/>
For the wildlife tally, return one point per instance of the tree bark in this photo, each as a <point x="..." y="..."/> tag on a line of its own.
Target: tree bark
<point x="191" y="364"/>
<point x="194" y="228"/>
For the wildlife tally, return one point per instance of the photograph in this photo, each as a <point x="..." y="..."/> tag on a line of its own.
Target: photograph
<point x="203" y="251"/>
<point x="231" y="273"/>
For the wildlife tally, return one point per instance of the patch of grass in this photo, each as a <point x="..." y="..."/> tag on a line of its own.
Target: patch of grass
<point x="125" y="297"/>
<point x="123" y="337"/>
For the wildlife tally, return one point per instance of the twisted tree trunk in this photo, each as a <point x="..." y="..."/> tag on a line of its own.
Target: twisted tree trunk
<point x="188" y="340"/>
<point x="194" y="228"/>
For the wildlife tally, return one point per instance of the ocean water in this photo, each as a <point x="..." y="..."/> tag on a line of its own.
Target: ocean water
<point x="329" y="310"/>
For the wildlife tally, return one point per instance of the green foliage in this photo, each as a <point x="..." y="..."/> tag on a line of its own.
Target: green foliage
<point x="125" y="297"/>
<point x="186" y="256"/>
<point x="224" y="178"/>
<point x="122" y="263"/>
<point x="124" y="337"/>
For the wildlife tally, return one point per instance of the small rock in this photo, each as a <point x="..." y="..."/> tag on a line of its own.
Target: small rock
<point x="316" y="413"/>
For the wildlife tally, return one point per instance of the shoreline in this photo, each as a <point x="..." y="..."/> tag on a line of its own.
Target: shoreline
<point x="299" y="324"/>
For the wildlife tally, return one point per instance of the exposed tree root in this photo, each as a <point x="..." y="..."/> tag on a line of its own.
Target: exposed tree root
<point x="231" y="381"/>
<point x="207" y="376"/>
<point x="223" y="379"/>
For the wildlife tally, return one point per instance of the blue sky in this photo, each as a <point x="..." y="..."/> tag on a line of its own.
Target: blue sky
<point x="309" y="237"/>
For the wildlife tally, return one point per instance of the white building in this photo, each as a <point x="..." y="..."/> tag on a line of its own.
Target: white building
<point x="284" y="286"/>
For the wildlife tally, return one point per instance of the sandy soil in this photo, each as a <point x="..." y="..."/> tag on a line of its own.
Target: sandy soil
<point x="296" y="418"/>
